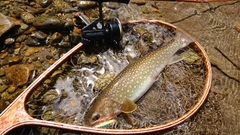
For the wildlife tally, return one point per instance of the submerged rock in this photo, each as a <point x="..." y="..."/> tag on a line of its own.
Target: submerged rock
<point x="20" y="74"/>
<point x="15" y="59"/>
<point x="32" y="50"/>
<point x="27" y="17"/>
<point x="48" y="22"/>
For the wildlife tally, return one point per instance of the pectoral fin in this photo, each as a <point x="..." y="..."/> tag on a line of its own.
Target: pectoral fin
<point x="128" y="106"/>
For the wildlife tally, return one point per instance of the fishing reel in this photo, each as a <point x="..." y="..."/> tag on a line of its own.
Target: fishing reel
<point x="100" y="33"/>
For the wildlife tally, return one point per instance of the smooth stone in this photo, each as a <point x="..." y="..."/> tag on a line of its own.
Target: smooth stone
<point x="44" y="3"/>
<point x="32" y="42"/>
<point x="15" y="59"/>
<point x="48" y="22"/>
<point x="39" y="35"/>
<point x="86" y="4"/>
<point x="2" y="73"/>
<point x="139" y="2"/>
<point x="4" y="55"/>
<point x="56" y="38"/>
<point x="31" y="50"/>
<point x="9" y="41"/>
<point x="112" y="5"/>
<point x="27" y="17"/>
<point x="21" y="38"/>
<point x="11" y="89"/>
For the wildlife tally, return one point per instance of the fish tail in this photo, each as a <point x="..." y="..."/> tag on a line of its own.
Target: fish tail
<point x="185" y="38"/>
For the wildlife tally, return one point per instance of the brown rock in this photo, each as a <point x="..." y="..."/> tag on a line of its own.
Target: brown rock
<point x="20" y="74"/>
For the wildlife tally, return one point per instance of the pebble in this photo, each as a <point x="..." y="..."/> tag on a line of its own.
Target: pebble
<point x="2" y="73"/>
<point x="112" y="5"/>
<point x="44" y="3"/>
<point x="32" y="50"/>
<point x="51" y="61"/>
<point x="61" y="5"/>
<point x="4" y="55"/>
<point x="27" y="17"/>
<point x="86" y="4"/>
<point x="48" y="22"/>
<point x="39" y="35"/>
<point x="237" y="27"/>
<point x="32" y="42"/>
<point x="37" y="64"/>
<point x="21" y="38"/>
<point x="15" y="59"/>
<point x="139" y="2"/>
<point x="56" y="38"/>
<point x="11" y="89"/>
<point x="2" y="105"/>
<point x="9" y="41"/>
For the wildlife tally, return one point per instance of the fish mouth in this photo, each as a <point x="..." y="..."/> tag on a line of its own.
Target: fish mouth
<point x="102" y="122"/>
<point x="105" y="124"/>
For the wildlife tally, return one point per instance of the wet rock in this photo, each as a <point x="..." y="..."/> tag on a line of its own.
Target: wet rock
<point x="237" y="27"/>
<point x="2" y="73"/>
<point x="3" y="87"/>
<point x="86" y="4"/>
<point x="9" y="41"/>
<point x="139" y="2"/>
<point x="32" y="42"/>
<point x="4" y="55"/>
<point x="27" y="17"/>
<point x="15" y="59"/>
<point x="37" y="64"/>
<point x="32" y="50"/>
<point x="48" y="57"/>
<point x="5" y="24"/>
<point x="2" y="105"/>
<point x="20" y="74"/>
<point x="11" y="89"/>
<point x="21" y="38"/>
<point x="10" y="96"/>
<point x="39" y="35"/>
<point x="23" y="27"/>
<point x="68" y="18"/>
<point x="44" y="3"/>
<point x="48" y="22"/>
<point x="112" y="5"/>
<point x="55" y="39"/>
<point x="50" y="96"/>
<point x="61" y="5"/>
<point x="51" y="61"/>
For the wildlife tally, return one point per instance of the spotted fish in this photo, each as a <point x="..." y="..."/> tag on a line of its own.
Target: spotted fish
<point x="131" y="83"/>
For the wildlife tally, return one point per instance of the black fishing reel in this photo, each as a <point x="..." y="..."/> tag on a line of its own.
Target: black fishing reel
<point x="100" y="33"/>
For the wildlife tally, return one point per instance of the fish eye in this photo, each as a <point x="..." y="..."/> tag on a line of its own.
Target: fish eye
<point x="96" y="116"/>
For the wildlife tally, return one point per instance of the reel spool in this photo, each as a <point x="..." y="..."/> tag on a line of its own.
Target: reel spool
<point x="100" y="33"/>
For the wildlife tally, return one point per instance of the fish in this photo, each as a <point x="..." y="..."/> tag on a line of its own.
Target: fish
<point x="120" y="95"/>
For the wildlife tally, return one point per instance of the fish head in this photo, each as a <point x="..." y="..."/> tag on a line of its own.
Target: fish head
<point x="101" y="112"/>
